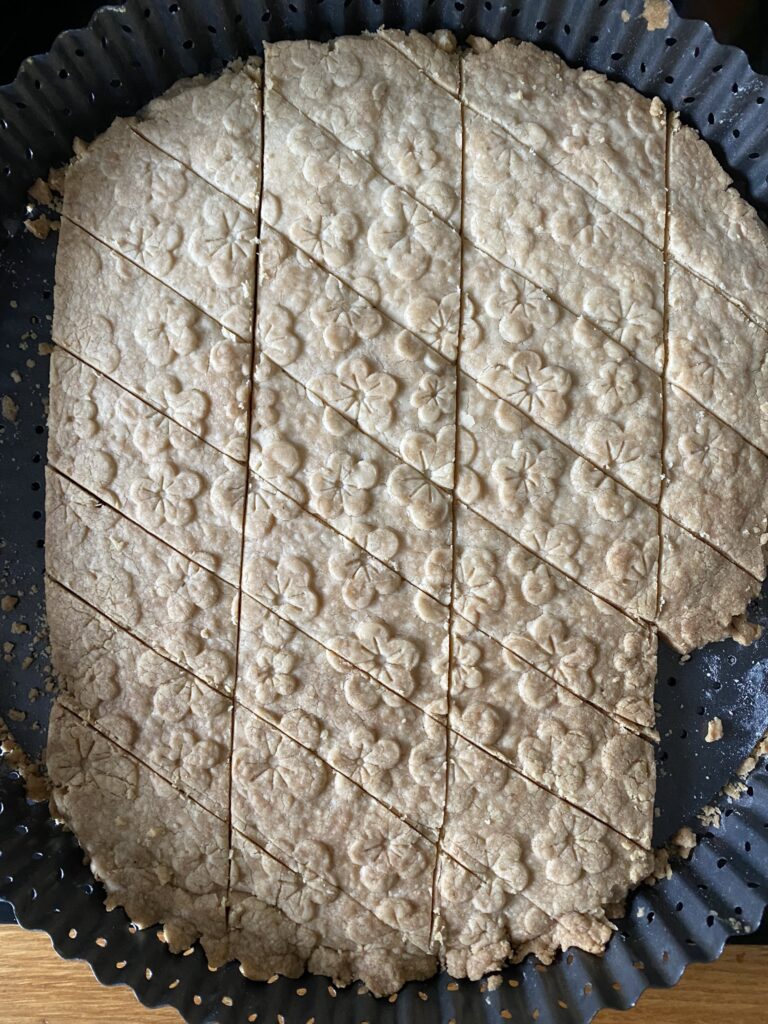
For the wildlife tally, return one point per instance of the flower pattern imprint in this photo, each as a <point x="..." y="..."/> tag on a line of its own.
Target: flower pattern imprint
<point x="434" y="397"/>
<point x="343" y="486"/>
<point x="327" y="239"/>
<point x="616" y="385"/>
<point x="428" y="468"/>
<point x="477" y="587"/>
<point x="344" y="320"/>
<point x="386" y="856"/>
<point x="223" y="243"/>
<point x="405" y="235"/>
<point x="363" y="579"/>
<point x="285" y="585"/>
<point x="166" y="494"/>
<point x="708" y="451"/>
<point x="519" y="309"/>
<point x="366" y="759"/>
<point x="270" y="676"/>
<point x="571" y="845"/>
<point x="526" y="381"/>
<point x="361" y="392"/>
<point x="435" y="322"/>
<point x="549" y="646"/>
<point x="528" y="477"/>
<point x="374" y="650"/>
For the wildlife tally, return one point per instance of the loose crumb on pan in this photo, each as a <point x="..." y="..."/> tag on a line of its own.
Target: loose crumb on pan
<point x="656" y="14"/>
<point x="714" y="730"/>
<point x="36" y="784"/>
<point x="10" y="409"/>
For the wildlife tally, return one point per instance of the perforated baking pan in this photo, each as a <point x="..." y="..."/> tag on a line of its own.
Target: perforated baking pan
<point x="126" y="56"/>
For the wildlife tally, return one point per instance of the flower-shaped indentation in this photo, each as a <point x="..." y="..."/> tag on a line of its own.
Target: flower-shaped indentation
<point x="434" y="396"/>
<point x="222" y="242"/>
<point x="406" y="235"/>
<point x="343" y="486"/>
<point x="363" y="578"/>
<point x="538" y="585"/>
<point x="151" y="243"/>
<point x="708" y="451"/>
<point x="435" y="322"/>
<point x="270" y="675"/>
<point x="572" y="845"/>
<point x="326" y="238"/>
<point x="477" y="587"/>
<point x="186" y="588"/>
<point x="166" y="495"/>
<point x="360" y="391"/>
<point x="336" y="69"/>
<point x="277" y="772"/>
<point x="324" y="161"/>
<point x="506" y="860"/>
<point x="285" y="585"/>
<point x="557" y="756"/>
<point x="278" y="461"/>
<point x="615" y="386"/>
<point x="550" y="647"/>
<point x="97" y="681"/>
<point x="277" y="335"/>
<point x="429" y="467"/>
<point x="374" y="650"/>
<point x="79" y="421"/>
<point x="416" y="152"/>
<point x="527" y="382"/>
<point x="526" y="477"/>
<point x="344" y="318"/>
<point x="366" y="759"/>
<point x="627" y="759"/>
<point x="519" y="309"/>
<point x="629" y="316"/>
<point x="387" y="856"/>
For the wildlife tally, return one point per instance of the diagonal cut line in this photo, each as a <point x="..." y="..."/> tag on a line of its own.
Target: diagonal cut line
<point x="188" y="796"/>
<point x="238" y="702"/>
<point x="123" y="515"/>
<point x="753" y="318"/>
<point x="630" y="354"/>
<point x="145" y="401"/>
<point x="376" y="170"/>
<point x="409" y="60"/>
<point x="297" y="873"/>
<point x="502" y="127"/>
<point x="249" y="418"/>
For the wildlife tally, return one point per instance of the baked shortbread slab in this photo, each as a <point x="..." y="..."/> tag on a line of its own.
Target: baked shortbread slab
<point x="398" y="411"/>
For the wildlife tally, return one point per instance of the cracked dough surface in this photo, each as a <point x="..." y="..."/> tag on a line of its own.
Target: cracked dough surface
<point x="360" y="542"/>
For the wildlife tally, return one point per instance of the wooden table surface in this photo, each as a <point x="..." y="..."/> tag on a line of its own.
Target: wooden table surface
<point x="36" y="987"/>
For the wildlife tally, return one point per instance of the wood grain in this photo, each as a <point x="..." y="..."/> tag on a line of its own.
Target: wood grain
<point x="36" y="987"/>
